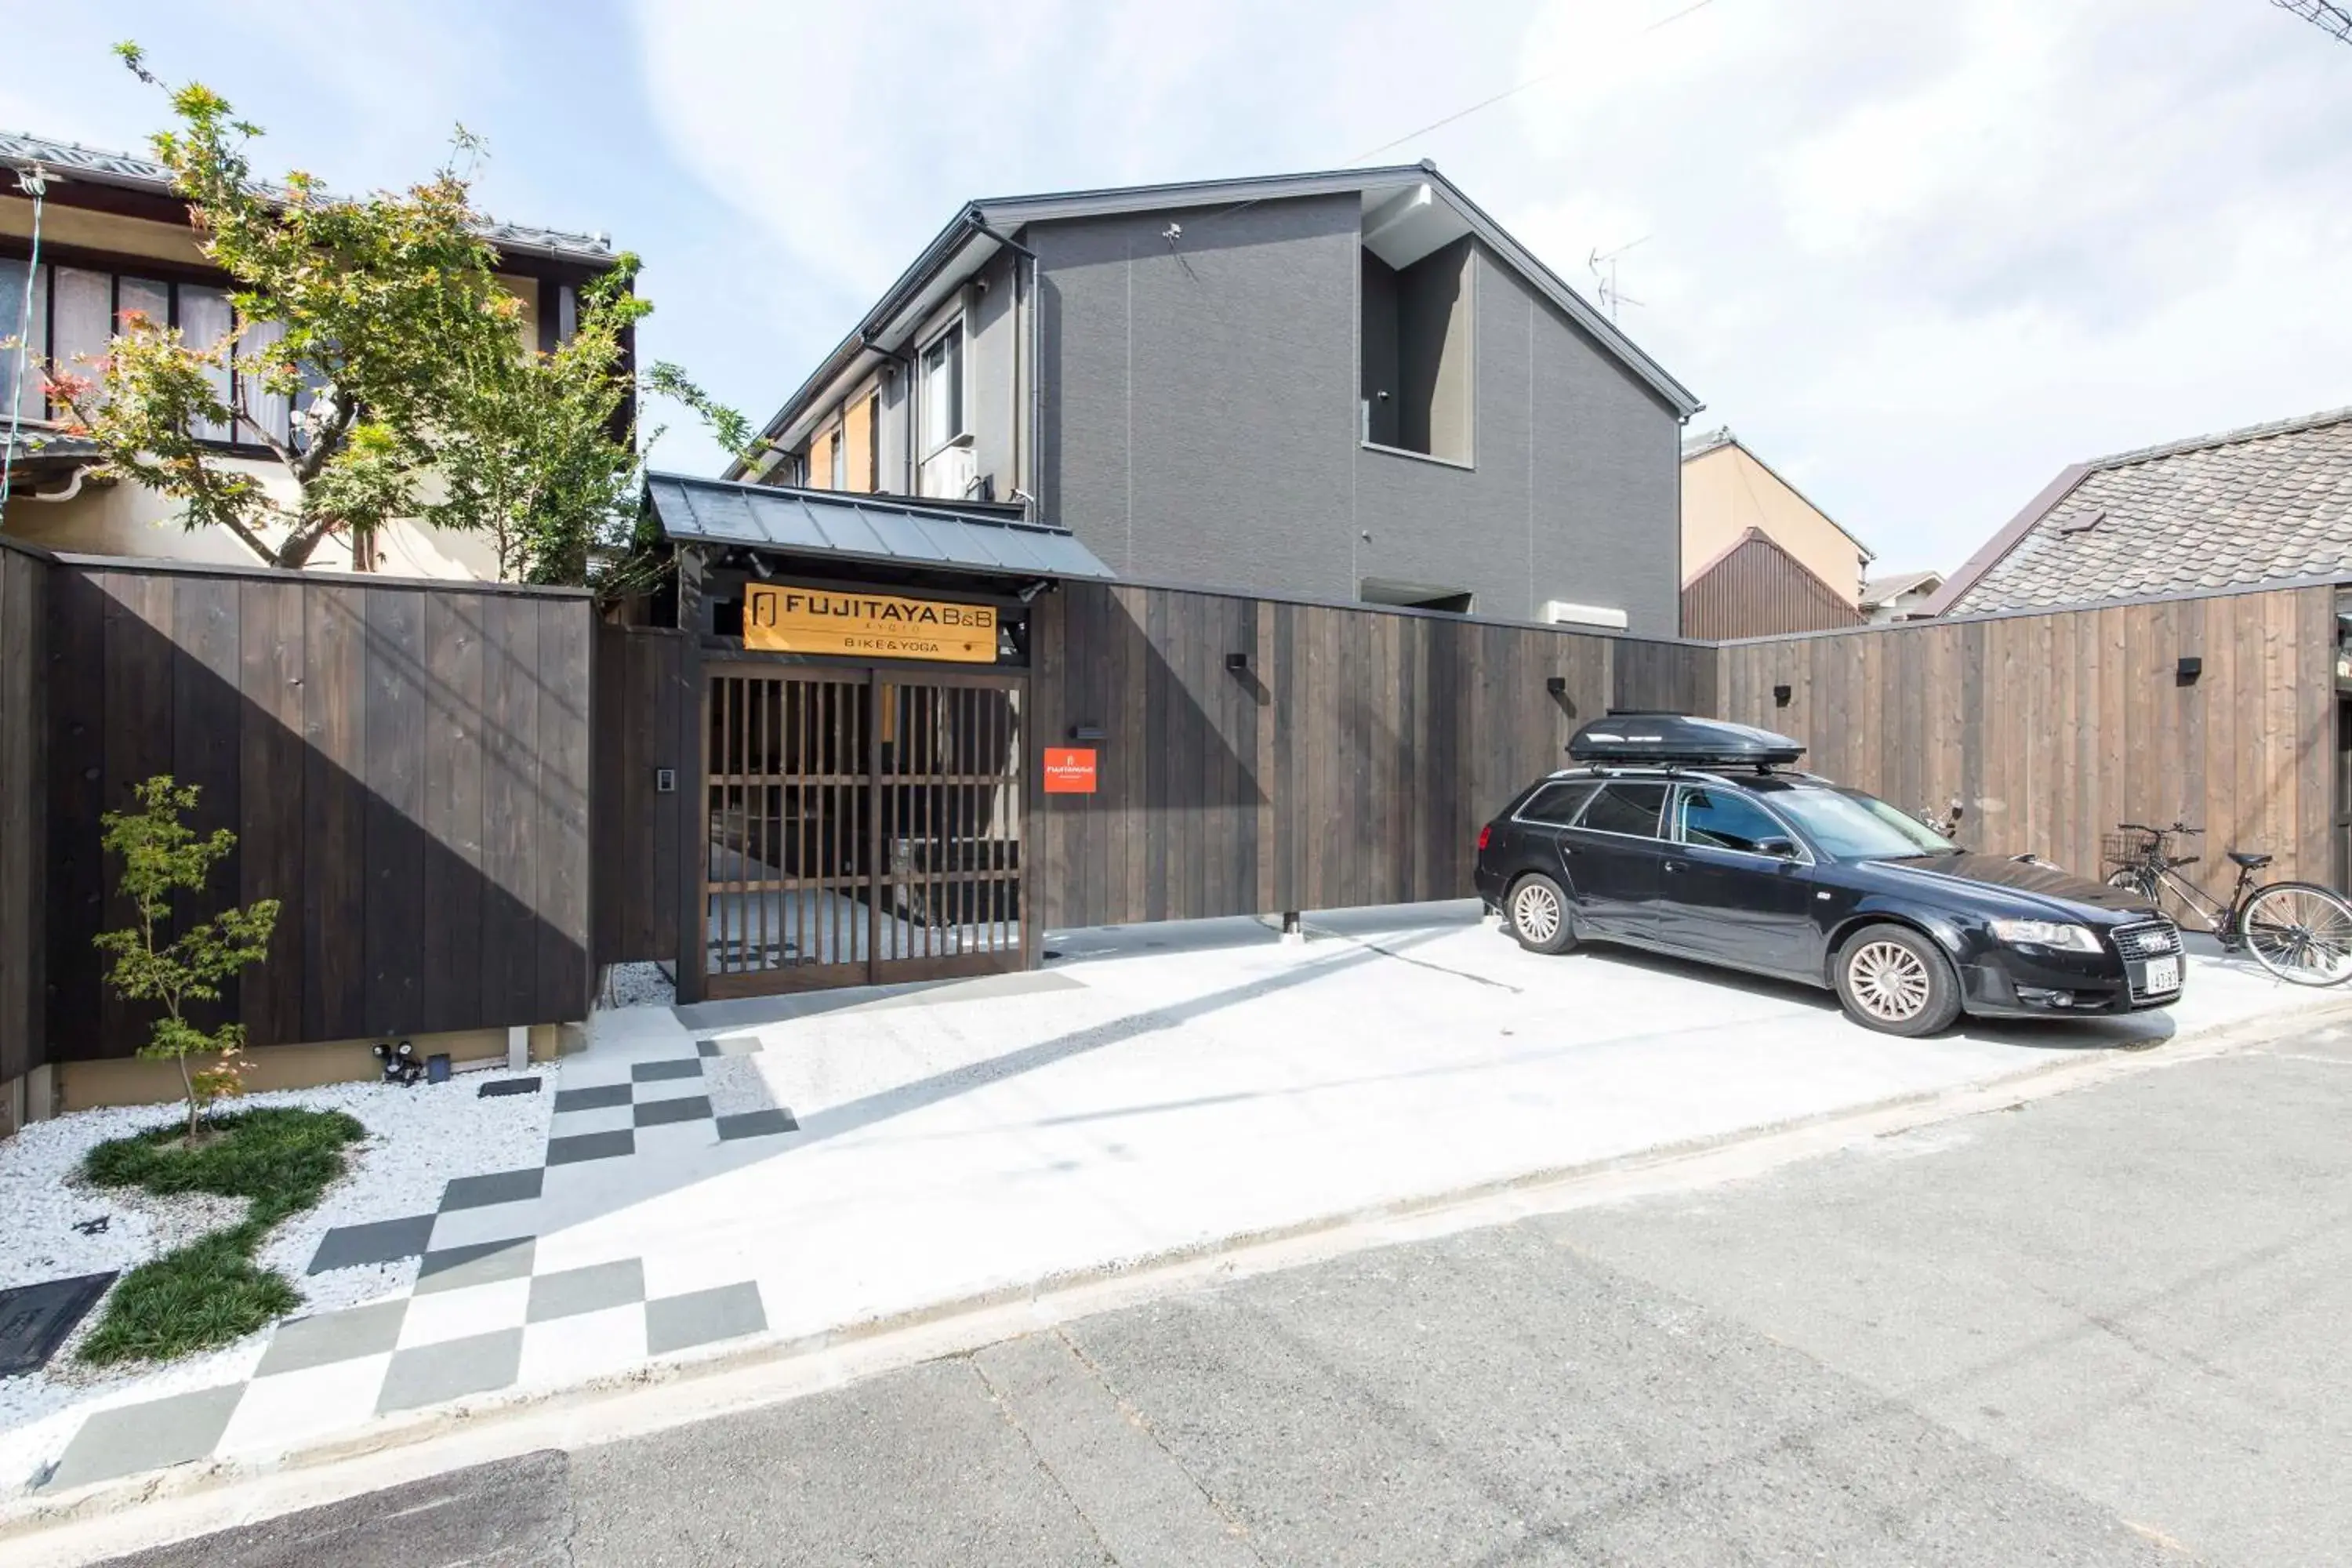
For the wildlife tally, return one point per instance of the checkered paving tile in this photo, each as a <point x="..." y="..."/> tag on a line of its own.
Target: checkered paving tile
<point x="488" y="1312"/>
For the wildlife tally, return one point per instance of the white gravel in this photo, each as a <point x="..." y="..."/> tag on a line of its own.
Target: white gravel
<point x="637" y="986"/>
<point x="417" y="1139"/>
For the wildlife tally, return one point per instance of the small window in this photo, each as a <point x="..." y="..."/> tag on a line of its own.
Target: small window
<point x="1556" y="804"/>
<point x="1627" y="808"/>
<point x="873" y="444"/>
<point x="1717" y="819"/>
<point x="942" y="389"/>
<point x="840" y="459"/>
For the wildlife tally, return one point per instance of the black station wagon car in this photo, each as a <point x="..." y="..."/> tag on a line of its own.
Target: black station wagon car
<point x="1690" y="836"/>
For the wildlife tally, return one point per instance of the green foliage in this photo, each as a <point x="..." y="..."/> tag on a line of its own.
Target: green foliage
<point x="393" y="316"/>
<point x="210" y="1292"/>
<point x="163" y="858"/>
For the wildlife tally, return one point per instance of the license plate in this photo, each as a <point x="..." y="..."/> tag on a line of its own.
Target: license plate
<point x="2163" y="974"/>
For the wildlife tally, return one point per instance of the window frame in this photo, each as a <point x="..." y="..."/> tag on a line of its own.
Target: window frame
<point x="956" y="382"/>
<point x="1589" y="786"/>
<point x="1666" y="788"/>
<point x="171" y="278"/>
<point x="1803" y="857"/>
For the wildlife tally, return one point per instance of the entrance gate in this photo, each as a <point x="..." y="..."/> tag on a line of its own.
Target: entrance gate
<point x="864" y="827"/>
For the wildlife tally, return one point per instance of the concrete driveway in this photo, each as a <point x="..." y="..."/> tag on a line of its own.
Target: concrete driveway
<point x="1153" y="1093"/>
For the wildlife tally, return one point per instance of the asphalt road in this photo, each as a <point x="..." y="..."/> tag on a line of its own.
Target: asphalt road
<point x="2108" y="1327"/>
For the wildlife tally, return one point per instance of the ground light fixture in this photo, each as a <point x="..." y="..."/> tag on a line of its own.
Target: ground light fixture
<point x="1238" y="663"/>
<point x="2188" y="670"/>
<point x="400" y="1063"/>
<point x="1780" y="697"/>
<point x="1557" y="685"/>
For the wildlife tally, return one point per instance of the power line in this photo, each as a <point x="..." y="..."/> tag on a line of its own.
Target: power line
<point x="1548" y="76"/>
<point x="2326" y="15"/>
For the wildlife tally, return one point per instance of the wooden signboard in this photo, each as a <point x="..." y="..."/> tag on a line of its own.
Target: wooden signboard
<point x="783" y="618"/>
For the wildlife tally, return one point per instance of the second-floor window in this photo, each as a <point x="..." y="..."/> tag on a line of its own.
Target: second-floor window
<point x="941" y="408"/>
<point x="839" y="478"/>
<point x="77" y="311"/>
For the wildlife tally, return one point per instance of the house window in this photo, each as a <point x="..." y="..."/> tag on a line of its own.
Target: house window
<point x="942" y="388"/>
<point x="1414" y="353"/>
<point x="78" y="311"/>
<point x="1415" y="595"/>
<point x="838" y="460"/>
<point x="873" y="444"/>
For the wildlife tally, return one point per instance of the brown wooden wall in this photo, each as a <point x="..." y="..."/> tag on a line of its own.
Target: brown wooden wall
<point x="406" y="766"/>
<point x="646" y="714"/>
<point x="1757" y="590"/>
<point x="1351" y="763"/>
<point x="23" y="809"/>
<point x="2052" y="728"/>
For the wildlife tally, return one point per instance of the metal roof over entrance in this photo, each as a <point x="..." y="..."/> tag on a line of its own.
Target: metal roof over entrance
<point x="856" y="527"/>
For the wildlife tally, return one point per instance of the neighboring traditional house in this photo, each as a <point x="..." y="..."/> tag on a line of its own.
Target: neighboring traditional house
<point x="2272" y="503"/>
<point x="1758" y="558"/>
<point x="1350" y="386"/>
<point x="1900" y="596"/>
<point x="115" y="239"/>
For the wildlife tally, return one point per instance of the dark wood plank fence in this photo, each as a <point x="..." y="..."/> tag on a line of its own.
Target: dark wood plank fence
<point x="23" y="809"/>
<point x="2052" y="728"/>
<point x="406" y="766"/>
<point x="647" y="718"/>
<point x="1349" y="762"/>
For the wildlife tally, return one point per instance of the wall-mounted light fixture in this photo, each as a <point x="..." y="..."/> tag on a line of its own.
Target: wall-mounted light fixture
<point x="1555" y="684"/>
<point x="1086" y="732"/>
<point x="1238" y="663"/>
<point x="1780" y="697"/>
<point x="2186" y="672"/>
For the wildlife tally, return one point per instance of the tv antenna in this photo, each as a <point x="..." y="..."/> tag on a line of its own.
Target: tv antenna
<point x="1604" y="273"/>
<point x="2328" y="16"/>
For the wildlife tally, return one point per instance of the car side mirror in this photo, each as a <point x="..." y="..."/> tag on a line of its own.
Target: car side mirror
<point x="1778" y="849"/>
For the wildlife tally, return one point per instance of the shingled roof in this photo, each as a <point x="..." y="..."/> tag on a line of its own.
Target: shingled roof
<point x="96" y="166"/>
<point x="2265" y="504"/>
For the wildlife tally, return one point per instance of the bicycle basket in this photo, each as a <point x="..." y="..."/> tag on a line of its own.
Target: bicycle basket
<point x="2125" y="849"/>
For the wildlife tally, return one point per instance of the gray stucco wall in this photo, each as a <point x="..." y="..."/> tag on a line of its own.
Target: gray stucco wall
<point x="1201" y="427"/>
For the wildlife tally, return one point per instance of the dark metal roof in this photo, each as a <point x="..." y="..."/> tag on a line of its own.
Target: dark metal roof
<point x="864" y="528"/>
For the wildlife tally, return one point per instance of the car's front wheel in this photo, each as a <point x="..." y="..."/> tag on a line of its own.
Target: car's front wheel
<point x="1895" y="981"/>
<point x="1537" y="910"/>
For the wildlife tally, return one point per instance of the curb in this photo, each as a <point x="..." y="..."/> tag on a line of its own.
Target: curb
<point x="211" y="1495"/>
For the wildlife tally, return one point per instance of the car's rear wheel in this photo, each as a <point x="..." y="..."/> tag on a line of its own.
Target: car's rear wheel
<point x="1895" y="981"/>
<point x="1537" y="909"/>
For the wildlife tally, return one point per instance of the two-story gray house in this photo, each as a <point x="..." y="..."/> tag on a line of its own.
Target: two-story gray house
<point x="1351" y="386"/>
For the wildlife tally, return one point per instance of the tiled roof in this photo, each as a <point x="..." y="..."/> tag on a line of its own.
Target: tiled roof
<point x="1879" y="590"/>
<point x="98" y="166"/>
<point x="2264" y="504"/>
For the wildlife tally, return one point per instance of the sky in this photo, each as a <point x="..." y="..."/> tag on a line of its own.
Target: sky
<point x="1918" y="257"/>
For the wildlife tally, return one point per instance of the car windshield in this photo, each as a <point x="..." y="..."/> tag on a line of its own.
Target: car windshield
<point x="1853" y="826"/>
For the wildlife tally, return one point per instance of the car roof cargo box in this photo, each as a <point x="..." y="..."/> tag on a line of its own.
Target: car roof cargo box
<point x="1676" y="738"/>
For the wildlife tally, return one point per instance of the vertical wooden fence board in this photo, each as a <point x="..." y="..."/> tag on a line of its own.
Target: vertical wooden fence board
<point x="453" y="811"/>
<point x="271" y="781"/>
<point x="23" y="799"/>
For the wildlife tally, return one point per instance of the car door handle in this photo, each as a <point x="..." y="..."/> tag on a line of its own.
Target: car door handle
<point x="1677" y="865"/>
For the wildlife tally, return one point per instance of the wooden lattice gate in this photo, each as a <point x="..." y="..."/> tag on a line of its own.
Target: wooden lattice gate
<point x="864" y="827"/>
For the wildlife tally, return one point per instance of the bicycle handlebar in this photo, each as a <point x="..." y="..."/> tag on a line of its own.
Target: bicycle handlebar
<point x="2180" y="827"/>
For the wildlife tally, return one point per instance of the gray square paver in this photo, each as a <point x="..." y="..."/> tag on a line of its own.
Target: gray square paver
<point x="739" y="1046"/>
<point x="656" y="1072"/>
<point x="346" y="1335"/>
<point x="482" y="1263"/>
<point x="591" y="1146"/>
<point x="498" y="1187"/>
<point x="703" y="1317"/>
<point x="431" y="1374"/>
<point x="145" y="1436"/>
<point x="661" y="1113"/>
<point x="379" y="1241"/>
<point x="571" y="1291"/>
<point x="756" y="1124"/>
<point x="595" y="1099"/>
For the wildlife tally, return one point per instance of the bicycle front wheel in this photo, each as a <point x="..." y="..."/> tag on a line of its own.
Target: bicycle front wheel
<point x="2300" y="931"/>
<point x="2131" y="879"/>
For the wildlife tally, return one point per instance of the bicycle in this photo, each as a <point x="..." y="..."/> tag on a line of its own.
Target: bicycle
<point x="2300" y="931"/>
